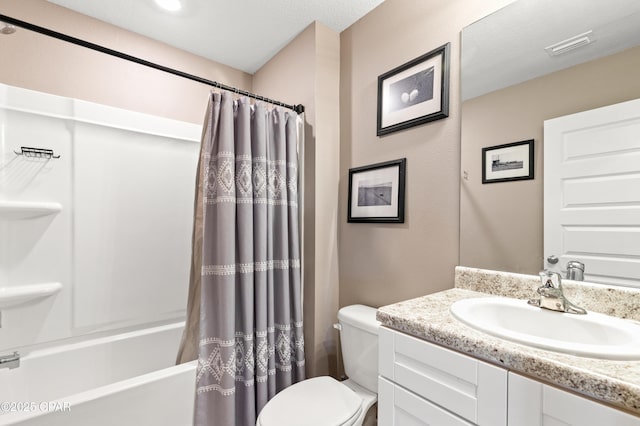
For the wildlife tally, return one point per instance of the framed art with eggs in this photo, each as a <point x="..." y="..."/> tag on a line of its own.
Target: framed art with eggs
<point x="414" y="93"/>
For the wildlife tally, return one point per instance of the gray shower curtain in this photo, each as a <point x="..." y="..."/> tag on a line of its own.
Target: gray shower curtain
<point x="245" y="302"/>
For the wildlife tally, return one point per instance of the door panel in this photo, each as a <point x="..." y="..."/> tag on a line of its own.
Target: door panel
<point x="592" y="192"/>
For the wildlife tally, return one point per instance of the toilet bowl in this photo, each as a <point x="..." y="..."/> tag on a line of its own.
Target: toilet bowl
<point x="325" y="401"/>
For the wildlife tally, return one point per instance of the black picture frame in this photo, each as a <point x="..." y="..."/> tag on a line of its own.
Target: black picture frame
<point x="508" y="162"/>
<point x="376" y="192"/>
<point x="414" y="93"/>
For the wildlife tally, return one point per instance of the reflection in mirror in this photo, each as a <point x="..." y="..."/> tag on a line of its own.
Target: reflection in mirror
<point x="510" y="86"/>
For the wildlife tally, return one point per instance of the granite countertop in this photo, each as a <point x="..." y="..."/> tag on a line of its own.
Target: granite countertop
<point x="613" y="382"/>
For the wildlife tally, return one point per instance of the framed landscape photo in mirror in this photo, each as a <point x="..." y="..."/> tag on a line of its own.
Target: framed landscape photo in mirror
<point x="376" y="192"/>
<point x="508" y="162"/>
<point x="414" y="93"/>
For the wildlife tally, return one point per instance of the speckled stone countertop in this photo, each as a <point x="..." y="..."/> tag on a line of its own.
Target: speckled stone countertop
<point x="614" y="382"/>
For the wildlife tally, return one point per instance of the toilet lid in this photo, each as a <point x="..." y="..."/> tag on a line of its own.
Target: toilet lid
<point x="321" y="401"/>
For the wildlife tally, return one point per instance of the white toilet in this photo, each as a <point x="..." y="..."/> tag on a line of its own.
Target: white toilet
<point x="324" y="401"/>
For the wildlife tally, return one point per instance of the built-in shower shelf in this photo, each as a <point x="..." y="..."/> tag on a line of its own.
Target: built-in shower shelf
<point x="15" y="210"/>
<point x="14" y="296"/>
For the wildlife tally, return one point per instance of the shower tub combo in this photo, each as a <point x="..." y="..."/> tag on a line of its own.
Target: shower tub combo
<point x="96" y="210"/>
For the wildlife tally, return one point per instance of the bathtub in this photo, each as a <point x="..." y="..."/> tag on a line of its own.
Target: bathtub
<point x="126" y="379"/>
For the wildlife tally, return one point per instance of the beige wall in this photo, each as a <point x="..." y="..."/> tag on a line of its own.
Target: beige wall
<point x="38" y="62"/>
<point x="381" y="264"/>
<point x="501" y="224"/>
<point x="307" y="71"/>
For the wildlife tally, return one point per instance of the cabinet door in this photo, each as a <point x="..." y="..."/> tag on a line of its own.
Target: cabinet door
<point x="399" y="407"/>
<point x="532" y="403"/>
<point x="469" y="388"/>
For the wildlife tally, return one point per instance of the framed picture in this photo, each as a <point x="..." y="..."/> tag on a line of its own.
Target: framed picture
<point x="376" y="192"/>
<point x="512" y="161"/>
<point x="414" y="93"/>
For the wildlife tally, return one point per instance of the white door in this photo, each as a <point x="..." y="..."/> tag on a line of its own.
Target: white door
<point x="592" y="192"/>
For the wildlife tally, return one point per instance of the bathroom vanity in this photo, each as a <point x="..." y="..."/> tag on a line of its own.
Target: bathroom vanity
<point x="435" y="370"/>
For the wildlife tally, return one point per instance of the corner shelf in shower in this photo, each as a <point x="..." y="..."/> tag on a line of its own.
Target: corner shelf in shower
<point x="14" y="296"/>
<point x="16" y="210"/>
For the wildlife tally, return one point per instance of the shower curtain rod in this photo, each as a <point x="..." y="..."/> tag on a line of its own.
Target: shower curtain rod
<point x="60" y="36"/>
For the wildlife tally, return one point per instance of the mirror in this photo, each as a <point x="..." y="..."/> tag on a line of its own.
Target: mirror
<point x="510" y="85"/>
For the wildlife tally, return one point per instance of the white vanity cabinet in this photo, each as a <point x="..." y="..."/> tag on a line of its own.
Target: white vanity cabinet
<point x="532" y="403"/>
<point x="421" y="383"/>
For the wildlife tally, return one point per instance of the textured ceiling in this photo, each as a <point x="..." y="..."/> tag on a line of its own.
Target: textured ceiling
<point x="507" y="47"/>
<point x="243" y="34"/>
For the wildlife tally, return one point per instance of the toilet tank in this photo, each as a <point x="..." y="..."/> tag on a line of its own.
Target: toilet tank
<point x="359" y="342"/>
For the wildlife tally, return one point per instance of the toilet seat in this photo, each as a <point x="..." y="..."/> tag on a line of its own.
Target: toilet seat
<point x="321" y="401"/>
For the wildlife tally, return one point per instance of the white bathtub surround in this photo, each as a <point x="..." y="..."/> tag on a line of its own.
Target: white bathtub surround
<point x="97" y="220"/>
<point x="251" y="332"/>
<point x="94" y="242"/>
<point x="428" y="317"/>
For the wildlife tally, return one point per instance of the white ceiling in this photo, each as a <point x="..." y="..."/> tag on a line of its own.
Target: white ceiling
<point x="243" y="34"/>
<point x="507" y="47"/>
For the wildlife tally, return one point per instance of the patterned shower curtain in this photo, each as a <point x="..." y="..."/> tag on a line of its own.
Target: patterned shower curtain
<point x="245" y="302"/>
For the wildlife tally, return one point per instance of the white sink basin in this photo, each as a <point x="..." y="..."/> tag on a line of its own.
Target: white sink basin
<point x="591" y="335"/>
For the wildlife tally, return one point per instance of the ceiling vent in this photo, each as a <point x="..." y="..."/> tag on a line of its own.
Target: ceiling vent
<point x="569" y="44"/>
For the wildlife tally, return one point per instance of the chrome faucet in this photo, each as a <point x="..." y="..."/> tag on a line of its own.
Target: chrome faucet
<point x="575" y="270"/>
<point x="552" y="296"/>
<point x="10" y="361"/>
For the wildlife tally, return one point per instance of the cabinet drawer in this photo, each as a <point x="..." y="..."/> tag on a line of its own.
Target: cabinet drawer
<point x="474" y="390"/>
<point x="399" y="407"/>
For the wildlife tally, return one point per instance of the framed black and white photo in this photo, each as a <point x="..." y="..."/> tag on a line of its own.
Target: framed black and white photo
<point x="414" y="93"/>
<point x="376" y="192"/>
<point x="508" y="162"/>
